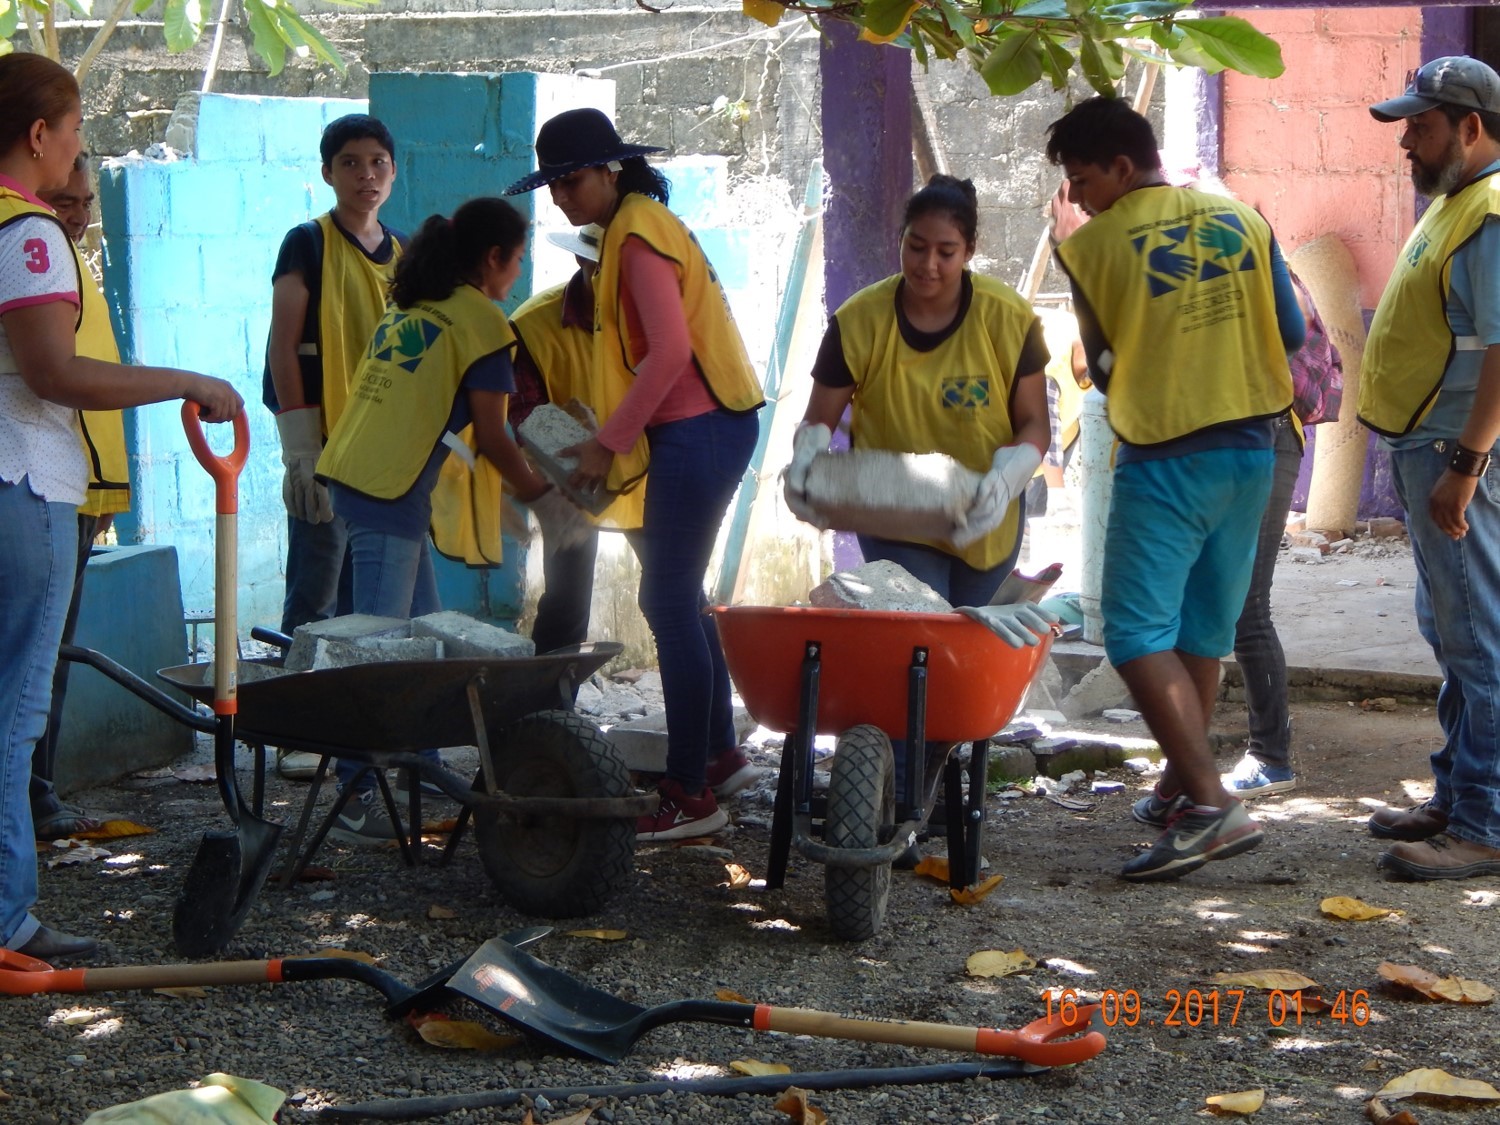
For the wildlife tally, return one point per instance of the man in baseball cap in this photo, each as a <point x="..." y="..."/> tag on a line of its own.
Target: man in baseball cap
<point x="1430" y="386"/>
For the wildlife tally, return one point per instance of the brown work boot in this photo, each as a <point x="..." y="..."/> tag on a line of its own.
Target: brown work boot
<point x="1408" y="824"/>
<point x="1442" y="857"/>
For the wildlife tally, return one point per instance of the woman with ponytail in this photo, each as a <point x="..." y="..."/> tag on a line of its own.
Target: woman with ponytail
<point x="439" y="362"/>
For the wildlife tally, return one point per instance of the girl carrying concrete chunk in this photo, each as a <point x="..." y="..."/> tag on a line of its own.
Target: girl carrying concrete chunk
<point x="671" y="383"/>
<point x="937" y="360"/>
<point x="440" y="361"/>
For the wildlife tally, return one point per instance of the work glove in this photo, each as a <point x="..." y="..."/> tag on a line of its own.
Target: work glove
<point x="563" y="523"/>
<point x="1017" y="624"/>
<point x="301" y="431"/>
<point x="807" y="443"/>
<point x="1010" y="470"/>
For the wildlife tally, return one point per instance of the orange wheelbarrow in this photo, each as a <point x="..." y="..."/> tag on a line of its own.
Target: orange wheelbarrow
<point x="934" y="679"/>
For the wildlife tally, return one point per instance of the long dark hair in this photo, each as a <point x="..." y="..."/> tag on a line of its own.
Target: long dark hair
<point x="32" y="88"/>
<point x="951" y="197"/>
<point x="446" y="252"/>
<point x="638" y="176"/>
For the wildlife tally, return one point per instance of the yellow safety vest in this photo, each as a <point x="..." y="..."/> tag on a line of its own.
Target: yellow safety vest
<point x="717" y="347"/>
<point x="102" y="431"/>
<point x="564" y="356"/>
<point x="1181" y="284"/>
<point x="401" y="399"/>
<point x="1410" y="343"/>
<point x="954" y="399"/>
<point x="351" y="301"/>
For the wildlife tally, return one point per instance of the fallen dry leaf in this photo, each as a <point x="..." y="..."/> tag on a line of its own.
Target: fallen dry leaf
<point x="196" y="773"/>
<point x="440" y="913"/>
<point x="1353" y="910"/>
<point x="599" y="935"/>
<point x="997" y="963"/>
<point x="730" y="996"/>
<point x="440" y="827"/>
<point x="1434" y="987"/>
<point x="574" y="1118"/>
<point x="463" y="1035"/>
<point x="738" y="876"/>
<point x="184" y="992"/>
<point x="794" y="1104"/>
<point x="114" y="830"/>
<point x="1380" y="1114"/>
<point x="347" y="954"/>
<point x="315" y="874"/>
<point x="1279" y="980"/>
<point x="695" y="841"/>
<point x="1244" y="1102"/>
<point x="77" y="853"/>
<point x="1433" y="1083"/>
<point x="755" y="1067"/>
<point x="970" y="895"/>
<point x="934" y="866"/>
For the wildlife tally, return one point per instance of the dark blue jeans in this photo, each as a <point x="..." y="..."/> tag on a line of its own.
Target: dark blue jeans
<point x="696" y="466"/>
<point x="562" y="612"/>
<point x="319" y="576"/>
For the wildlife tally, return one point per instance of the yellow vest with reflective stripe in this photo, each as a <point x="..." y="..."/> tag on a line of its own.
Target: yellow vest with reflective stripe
<point x="1410" y="343"/>
<point x="351" y="301"/>
<point x="564" y="356"/>
<point x="1181" y="284"/>
<point x="717" y="346"/>
<point x="954" y="399"/>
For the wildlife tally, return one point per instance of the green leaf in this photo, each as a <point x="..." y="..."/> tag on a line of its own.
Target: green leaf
<point x="1057" y="62"/>
<point x="1234" y="43"/>
<point x="1166" y="36"/>
<point x="961" y="25"/>
<point x="1190" y="53"/>
<point x="1155" y="58"/>
<point x="296" y="29"/>
<point x="182" y="24"/>
<point x="141" y="7"/>
<point x="919" y="49"/>
<point x="81" y="8"/>
<point x="886" y="18"/>
<point x="267" y="41"/>
<point x="10" y="23"/>
<point x="1142" y="10"/>
<point x="1095" y="69"/>
<point x="1014" y="65"/>
<point x="1043" y="10"/>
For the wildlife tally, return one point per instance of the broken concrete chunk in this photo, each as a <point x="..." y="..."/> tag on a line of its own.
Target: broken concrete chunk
<point x="547" y="430"/>
<point x="331" y="653"/>
<point x="1101" y="688"/>
<point x="349" y="628"/>
<point x="464" y="637"/>
<point x="896" y="495"/>
<point x="880" y="586"/>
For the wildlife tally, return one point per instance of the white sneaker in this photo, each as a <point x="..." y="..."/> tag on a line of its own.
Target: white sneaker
<point x="296" y="765"/>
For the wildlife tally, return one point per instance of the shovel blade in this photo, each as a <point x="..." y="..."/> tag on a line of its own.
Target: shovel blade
<point x="221" y="886"/>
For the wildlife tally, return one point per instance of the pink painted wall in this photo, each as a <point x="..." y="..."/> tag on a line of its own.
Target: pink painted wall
<point x="1304" y="148"/>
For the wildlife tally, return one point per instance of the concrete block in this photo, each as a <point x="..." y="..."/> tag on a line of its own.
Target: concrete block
<point x="430" y="110"/>
<point x="1387" y="527"/>
<point x="643" y="742"/>
<point x="547" y="430"/>
<point x="132" y="612"/>
<point x="351" y="627"/>
<point x="1101" y="688"/>
<point x="896" y="495"/>
<point x="200" y="203"/>
<point x="465" y="637"/>
<point x="880" y="586"/>
<point x="329" y="653"/>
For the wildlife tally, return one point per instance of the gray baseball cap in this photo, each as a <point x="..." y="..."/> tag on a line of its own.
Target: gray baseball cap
<point x="1451" y="80"/>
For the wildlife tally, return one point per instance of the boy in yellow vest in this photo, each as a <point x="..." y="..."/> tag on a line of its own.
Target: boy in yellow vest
<point x="328" y="291"/>
<point x="103" y="433"/>
<point x="1430" y="386"/>
<point x="1186" y="312"/>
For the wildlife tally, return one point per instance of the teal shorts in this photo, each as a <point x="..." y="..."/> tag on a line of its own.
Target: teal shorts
<point x="1179" y="549"/>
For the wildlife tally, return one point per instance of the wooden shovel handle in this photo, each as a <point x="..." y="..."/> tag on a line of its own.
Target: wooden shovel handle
<point x="26" y="982"/>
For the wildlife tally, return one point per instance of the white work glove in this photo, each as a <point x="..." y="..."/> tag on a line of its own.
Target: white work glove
<point x="1017" y="624"/>
<point x="301" y="431"/>
<point x="807" y="443"/>
<point x="1011" y="469"/>
<point x="563" y="523"/>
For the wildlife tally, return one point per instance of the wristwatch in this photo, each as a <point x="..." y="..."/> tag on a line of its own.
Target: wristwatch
<point x="1468" y="462"/>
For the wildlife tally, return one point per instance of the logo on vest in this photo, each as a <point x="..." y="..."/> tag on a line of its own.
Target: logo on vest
<point x="966" y="392"/>
<point x="1417" y="249"/>
<point x="402" y="339"/>
<point x="1182" y="253"/>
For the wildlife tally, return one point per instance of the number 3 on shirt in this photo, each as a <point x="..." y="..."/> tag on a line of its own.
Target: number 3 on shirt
<point x="36" y="255"/>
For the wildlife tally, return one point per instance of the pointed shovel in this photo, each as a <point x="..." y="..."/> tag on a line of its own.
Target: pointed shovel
<point x="231" y="865"/>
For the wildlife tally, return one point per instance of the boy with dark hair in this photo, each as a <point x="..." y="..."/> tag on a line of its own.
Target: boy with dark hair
<point x="1187" y="313"/>
<point x="328" y="291"/>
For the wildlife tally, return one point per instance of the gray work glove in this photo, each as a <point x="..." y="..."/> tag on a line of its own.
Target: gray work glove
<point x="1017" y="624"/>
<point x="1011" y="469"/>
<point x="807" y="443"/>
<point x="563" y="523"/>
<point x="301" y="431"/>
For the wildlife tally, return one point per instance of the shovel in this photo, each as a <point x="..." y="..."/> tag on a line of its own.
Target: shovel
<point x="230" y="867"/>
<point x="583" y="1020"/>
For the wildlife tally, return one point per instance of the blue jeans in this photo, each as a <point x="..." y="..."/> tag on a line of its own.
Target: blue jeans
<point x="393" y="577"/>
<point x="1458" y="584"/>
<point x="562" y="612"/>
<point x="38" y="555"/>
<point x="319" y="579"/>
<point x="956" y="581"/>
<point x="1257" y="648"/>
<point x="44" y="758"/>
<point x="696" y="465"/>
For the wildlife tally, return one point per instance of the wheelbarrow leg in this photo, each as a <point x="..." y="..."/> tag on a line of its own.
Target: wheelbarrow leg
<point x="914" y="793"/>
<point x="294" y="860"/>
<point x="258" y="788"/>
<point x="966" y="817"/>
<point x="796" y="769"/>
<point x="408" y="855"/>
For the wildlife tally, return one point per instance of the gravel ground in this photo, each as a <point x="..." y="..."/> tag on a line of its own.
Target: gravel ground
<point x="690" y="934"/>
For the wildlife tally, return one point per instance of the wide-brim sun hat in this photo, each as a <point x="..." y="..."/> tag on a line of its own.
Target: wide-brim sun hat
<point x="581" y="243"/>
<point x="574" y="139"/>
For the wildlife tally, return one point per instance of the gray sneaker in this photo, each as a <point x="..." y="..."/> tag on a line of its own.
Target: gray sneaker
<point x="365" y="821"/>
<point x="1155" y="811"/>
<point x="1194" y="837"/>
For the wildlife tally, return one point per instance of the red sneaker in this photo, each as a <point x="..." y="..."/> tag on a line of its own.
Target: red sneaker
<point x="730" y="772"/>
<point x="680" y="816"/>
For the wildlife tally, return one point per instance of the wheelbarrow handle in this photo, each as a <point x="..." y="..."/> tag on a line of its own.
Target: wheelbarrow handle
<point x="225" y="470"/>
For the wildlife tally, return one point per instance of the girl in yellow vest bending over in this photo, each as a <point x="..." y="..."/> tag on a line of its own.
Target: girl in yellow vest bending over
<point x="938" y="360"/>
<point x="671" y="384"/>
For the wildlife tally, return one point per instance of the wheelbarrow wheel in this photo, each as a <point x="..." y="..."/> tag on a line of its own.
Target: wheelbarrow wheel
<point x="861" y="800"/>
<point x="556" y="866"/>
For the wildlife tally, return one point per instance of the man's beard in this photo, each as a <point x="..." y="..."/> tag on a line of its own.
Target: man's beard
<point x="1435" y="180"/>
